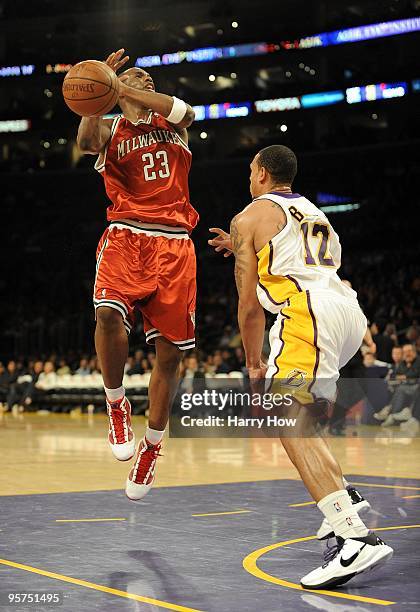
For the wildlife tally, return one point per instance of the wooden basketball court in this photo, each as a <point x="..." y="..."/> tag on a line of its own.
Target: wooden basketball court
<point x="228" y="526"/>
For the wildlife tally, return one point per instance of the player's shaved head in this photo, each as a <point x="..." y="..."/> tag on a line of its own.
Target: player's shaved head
<point x="137" y="78"/>
<point x="280" y="162"/>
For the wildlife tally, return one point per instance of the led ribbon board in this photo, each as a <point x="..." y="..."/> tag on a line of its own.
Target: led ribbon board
<point x="226" y="110"/>
<point x="14" y="125"/>
<point x="206" y="54"/>
<point x="379" y="91"/>
<point x="358" y="34"/>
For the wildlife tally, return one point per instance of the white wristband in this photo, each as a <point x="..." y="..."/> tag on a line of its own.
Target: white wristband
<point x="178" y="112"/>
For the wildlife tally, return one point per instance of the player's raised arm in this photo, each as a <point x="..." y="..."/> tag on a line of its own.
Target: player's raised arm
<point x="251" y="317"/>
<point x="176" y="111"/>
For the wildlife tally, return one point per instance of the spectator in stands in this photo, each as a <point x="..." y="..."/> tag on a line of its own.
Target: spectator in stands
<point x="146" y="365"/>
<point x="12" y="376"/>
<point x="412" y="334"/>
<point x="63" y="368"/>
<point x="46" y="382"/>
<point x="83" y="369"/>
<point x="13" y="370"/>
<point x="94" y="365"/>
<point x="189" y="369"/>
<point x="47" y="378"/>
<point x="21" y="393"/>
<point x="405" y="395"/>
<point x="136" y="365"/>
<point x="151" y="358"/>
<point x="208" y="365"/>
<point x="221" y="367"/>
<point x="238" y="359"/>
<point x="227" y="336"/>
<point x="391" y="331"/>
<point x="189" y="366"/>
<point x="397" y="357"/>
<point x="129" y="364"/>
<point x="4" y="384"/>
<point x="384" y="343"/>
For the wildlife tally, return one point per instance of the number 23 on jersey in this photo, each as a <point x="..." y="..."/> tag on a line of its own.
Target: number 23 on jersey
<point x="155" y="165"/>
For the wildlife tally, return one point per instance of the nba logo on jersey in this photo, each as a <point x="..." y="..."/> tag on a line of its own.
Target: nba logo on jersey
<point x="192" y="317"/>
<point x="349" y="521"/>
<point x="337" y="506"/>
<point x="103" y="292"/>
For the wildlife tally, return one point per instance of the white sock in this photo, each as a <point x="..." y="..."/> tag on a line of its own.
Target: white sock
<point x="153" y="435"/>
<point x="343" y="518"/>
<point x="345" y="483"/>
<point x="114" y="394"/>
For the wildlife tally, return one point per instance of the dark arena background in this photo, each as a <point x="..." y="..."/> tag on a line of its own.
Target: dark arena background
<point x="228" y="525"/>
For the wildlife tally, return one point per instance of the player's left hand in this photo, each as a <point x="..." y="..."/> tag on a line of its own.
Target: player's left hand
<point x="258" y="372"/>
<point x="372" y="348"/>
<point x="116" y="60"/>
<point x="221" y="242"/>
<point x="257" y="378"/>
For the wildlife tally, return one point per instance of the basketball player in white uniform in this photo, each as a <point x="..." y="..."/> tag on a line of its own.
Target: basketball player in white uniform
<point x="286" y="260"/>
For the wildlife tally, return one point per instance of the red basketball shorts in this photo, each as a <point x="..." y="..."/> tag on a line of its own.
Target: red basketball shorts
<point x="153" y="268"/>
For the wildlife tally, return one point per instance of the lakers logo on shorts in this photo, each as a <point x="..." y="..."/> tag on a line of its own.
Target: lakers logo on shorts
<point x="296" y="378"/>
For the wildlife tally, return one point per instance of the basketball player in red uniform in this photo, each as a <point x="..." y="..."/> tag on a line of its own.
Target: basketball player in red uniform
<point x="145" y="258"/>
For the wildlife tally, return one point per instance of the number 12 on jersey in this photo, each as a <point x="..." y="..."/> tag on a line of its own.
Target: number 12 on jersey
<point x="321" y="231"/>
<point x="155" y="165"/>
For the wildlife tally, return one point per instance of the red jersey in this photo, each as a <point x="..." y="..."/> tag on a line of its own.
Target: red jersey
<point x="145" y="168"/>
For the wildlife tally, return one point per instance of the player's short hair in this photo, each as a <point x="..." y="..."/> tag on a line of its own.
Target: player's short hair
<point x="280" y="162"/>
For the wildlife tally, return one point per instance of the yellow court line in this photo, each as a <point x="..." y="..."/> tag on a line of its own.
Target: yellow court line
<point x="250" y="565"/>
<point x="410" y="496"/>
<point x="92" y="520"/>
<point x="99" y="587"/>
<point x="310" y="503"/>
<point x="384" y="486"/>
<point x="221" y="513"/>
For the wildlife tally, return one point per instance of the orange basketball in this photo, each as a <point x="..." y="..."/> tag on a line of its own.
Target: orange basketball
<point x="90" y="88"/>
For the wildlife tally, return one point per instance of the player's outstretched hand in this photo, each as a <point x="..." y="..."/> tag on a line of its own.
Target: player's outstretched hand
<point x="221" y="242"/>
<point x="116" y="60"/>
<point x="258" y="372"/>
<point x="257" y="378"/>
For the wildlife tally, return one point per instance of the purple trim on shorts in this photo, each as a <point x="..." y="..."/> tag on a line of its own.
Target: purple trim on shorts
<point x="311" y="312"/>
<point x="294" y="281"/>
<point x="268" y="295"/>
<point x="270" y="258"/>
<point x="282" y="343"/>
<point x="286" y="195"/>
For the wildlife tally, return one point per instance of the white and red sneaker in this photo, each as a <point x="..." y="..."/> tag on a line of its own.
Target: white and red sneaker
<point x="142" y="475"/>
<point x="120" y="436"/>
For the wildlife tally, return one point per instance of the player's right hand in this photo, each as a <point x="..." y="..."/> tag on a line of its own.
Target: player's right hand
<point x="221" y="242"/>
<point x="116" y="60"/>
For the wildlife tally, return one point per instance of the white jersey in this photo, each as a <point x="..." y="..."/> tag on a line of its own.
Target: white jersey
<point x="304" y="256"/>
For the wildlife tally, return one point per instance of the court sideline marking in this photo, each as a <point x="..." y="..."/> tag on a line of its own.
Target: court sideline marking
<point x="89" y="520"/>
<point x="250" y="565"/>
<point x="220" y="513"/>
<point x="368" y="484"/>
<point x="99" y="587"/>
